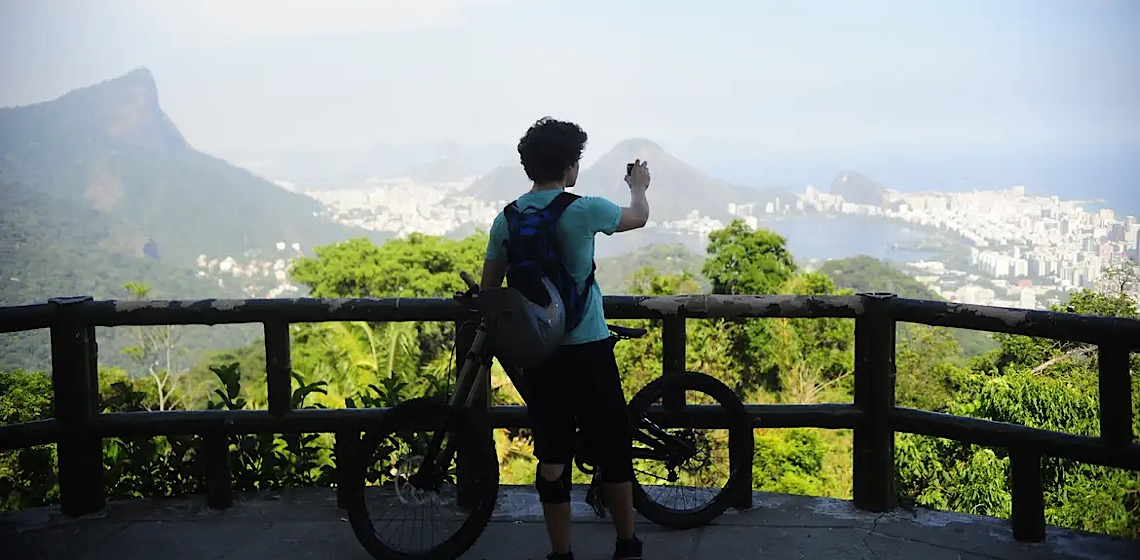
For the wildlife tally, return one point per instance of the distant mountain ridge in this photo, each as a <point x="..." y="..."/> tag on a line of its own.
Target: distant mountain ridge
<point x="858" y="188"/>
<point x="677" y="188"/>
<point x="113" y="148"/>
<point x="501" y="184"/>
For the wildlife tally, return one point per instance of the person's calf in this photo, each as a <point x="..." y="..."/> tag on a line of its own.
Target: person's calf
<point x="552" y="481"/>
<point x="619" y="499"/>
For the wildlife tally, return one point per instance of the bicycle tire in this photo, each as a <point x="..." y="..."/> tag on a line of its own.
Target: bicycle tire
<point x="476" y="441"/>
<point x="741" y="446"/>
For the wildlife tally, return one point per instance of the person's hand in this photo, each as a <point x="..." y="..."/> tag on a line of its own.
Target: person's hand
<point x="638" y="176"/>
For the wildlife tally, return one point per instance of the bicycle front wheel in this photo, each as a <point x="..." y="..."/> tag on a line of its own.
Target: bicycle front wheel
<point x="689" y="467"/>
<point x="425" y="482"/>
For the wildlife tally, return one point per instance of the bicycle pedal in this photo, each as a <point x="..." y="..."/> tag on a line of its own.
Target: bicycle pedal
<point x="596" y="503"/>
<point x="600" y="511"/>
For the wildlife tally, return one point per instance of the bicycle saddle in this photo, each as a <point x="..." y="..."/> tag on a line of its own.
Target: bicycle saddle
<point x="627" y="332"/>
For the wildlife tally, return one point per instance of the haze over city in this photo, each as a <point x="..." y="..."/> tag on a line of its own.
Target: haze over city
<point x="947" y="95"/>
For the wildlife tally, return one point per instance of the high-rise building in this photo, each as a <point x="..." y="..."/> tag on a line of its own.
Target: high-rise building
<point x="1137" y="255"/>
<point x="1020" y="267"/>
<point x="1002" y="265"/>
<point x="1028" y="298"/>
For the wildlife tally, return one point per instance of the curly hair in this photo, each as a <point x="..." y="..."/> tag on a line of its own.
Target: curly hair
<point x="549" y="148"/>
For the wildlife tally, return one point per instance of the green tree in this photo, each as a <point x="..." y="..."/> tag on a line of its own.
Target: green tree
<point x="800" y="359"/>
<point x="419" y="266"/>
<point x="746" y="261"/>
<point x="27" y="476"/>
<point x="646" y="281"/>
<point x="157" y="352"/>
<point x="927" y="361"/>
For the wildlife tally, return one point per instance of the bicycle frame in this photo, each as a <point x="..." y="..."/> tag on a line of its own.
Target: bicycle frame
<point x="474" y="373"/>
<point x="661" y="445"/>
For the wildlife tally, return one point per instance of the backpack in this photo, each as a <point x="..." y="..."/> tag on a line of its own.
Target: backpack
<point x="541" y="303"/>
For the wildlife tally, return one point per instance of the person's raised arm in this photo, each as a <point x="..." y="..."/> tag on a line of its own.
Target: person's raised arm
<point x="636" y="215"/>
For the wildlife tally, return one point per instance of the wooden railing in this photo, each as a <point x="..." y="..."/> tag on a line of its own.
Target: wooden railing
<point x="78" y="425"/>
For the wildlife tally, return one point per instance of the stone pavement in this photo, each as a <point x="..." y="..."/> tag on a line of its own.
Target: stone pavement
<point x="306" y="524"/>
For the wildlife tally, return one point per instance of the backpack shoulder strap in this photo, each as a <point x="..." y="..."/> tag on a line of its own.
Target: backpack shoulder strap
<point x="511" y="214"/>
<point x="560" y="203"/>
<point x="510" y="211"/>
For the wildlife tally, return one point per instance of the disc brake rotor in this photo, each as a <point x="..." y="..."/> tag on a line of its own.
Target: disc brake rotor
<point x="406" y="491"/>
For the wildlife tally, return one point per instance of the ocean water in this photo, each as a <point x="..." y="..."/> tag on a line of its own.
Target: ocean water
<point x="825" y="238"/>
<point x="1109" y="173"/>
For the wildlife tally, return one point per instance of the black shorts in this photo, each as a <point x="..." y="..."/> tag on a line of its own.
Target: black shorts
<point x="580" y="386"/>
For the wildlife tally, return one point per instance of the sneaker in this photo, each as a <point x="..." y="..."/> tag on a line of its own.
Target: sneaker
<point x="628" y="550"/>
<point x="567" y="556"/>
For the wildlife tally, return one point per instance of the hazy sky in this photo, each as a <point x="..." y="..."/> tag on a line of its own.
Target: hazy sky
<point x="793" y="76"/>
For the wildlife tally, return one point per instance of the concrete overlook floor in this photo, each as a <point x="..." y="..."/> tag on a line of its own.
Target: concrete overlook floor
<point x="307" y="524"/>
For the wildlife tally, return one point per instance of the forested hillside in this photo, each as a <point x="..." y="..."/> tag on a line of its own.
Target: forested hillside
<point x="799" y="361"/>
<point x="56" y="248"/>
<point x="111" y="148"/>
<point x="863" y="274"/>
<point x="614" y="272"/>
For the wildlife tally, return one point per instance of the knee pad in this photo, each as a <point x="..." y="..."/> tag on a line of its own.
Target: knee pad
<point x="553" y="491"/>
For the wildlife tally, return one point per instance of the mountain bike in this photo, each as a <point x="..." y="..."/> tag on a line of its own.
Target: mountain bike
<point x="436" y="455"/>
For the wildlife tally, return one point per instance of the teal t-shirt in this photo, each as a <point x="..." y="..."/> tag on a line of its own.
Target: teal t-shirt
<point x="584" y="217"/>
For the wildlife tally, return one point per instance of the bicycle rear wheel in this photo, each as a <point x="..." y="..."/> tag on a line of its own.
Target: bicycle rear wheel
<point x="702" y="469"/>
<point x="404" y="503"/>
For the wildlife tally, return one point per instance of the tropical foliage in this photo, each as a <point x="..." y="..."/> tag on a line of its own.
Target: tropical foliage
<point x="1022" y="380"/>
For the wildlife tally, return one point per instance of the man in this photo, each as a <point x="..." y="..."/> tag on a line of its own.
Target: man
<point x="580" y="381"/>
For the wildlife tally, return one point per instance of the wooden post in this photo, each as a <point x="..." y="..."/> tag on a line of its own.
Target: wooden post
<point x="278" y="368"/>
<point x="348" y="468"/>
<point x="874" y="445"/>
<point x="1115" y="395"/>
<point x="1028" y="502"/>
<point x="75" y="383"/>
<point x="216" y="466"/>
<point x="674" y="339"/>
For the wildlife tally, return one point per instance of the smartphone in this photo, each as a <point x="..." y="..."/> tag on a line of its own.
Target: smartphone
<point x="628" y="169"/>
